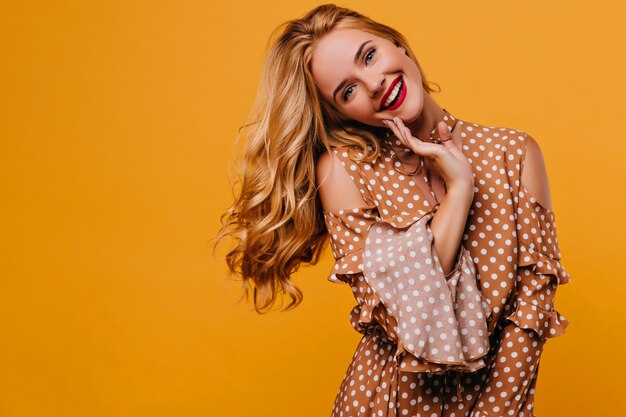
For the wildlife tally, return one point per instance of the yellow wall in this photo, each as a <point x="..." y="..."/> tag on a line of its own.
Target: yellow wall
<point x="117" y="121"/>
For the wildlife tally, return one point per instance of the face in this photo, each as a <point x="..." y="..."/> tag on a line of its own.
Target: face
<point x="360" y="74"/>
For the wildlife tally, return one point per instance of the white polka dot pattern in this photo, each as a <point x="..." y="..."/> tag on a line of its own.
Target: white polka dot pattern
<point x="348" y="229"/>
<point x="439" y="320"/>
<point x="539" y="270"/>
<point x="511" y="240"/>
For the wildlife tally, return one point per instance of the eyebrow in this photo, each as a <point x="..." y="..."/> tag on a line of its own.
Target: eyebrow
<point x="356" y="58"/>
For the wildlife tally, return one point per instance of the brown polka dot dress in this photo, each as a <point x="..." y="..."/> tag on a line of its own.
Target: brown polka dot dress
<point x="465" y="344"/>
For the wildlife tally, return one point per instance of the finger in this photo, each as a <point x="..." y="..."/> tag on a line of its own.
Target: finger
<point x="444" y="132"/>
<point x="392" y="126"/>
<point x="400" y="127"/>
<point x="396" y="130"/>
<point x="445" y="136"/>
<point x="418" y="146"/>
<point x="406" y="132"/>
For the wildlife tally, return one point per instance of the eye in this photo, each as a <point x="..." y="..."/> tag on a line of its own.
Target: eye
<point x="371" y="53"/>
<point x="345" y="94"/>
<point x="368" y="58"/>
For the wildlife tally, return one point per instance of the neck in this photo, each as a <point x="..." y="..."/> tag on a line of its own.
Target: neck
<point x="424" y="124"/>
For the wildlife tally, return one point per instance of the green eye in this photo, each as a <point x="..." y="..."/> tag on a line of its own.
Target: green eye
<point x="368" y="58"/>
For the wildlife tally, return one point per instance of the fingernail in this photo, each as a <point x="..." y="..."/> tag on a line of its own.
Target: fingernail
<point x="385" y="122"/>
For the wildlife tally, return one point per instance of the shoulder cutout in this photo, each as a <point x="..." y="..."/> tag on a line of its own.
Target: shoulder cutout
<point x="534" y="174"/>
<point x="336" y="189"/>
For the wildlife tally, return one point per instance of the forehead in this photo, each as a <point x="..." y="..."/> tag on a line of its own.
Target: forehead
<point x="333" y="56"/>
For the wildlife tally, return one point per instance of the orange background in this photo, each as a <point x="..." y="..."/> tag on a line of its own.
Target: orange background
<point x="118" y="120"/>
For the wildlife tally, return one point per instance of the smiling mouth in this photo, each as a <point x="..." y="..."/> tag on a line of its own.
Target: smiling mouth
<point x="392" y="95"/>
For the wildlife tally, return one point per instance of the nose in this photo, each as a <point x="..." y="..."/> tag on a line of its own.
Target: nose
<point x="375" y="84"/>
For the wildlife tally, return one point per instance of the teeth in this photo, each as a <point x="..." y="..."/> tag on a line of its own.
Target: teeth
<point x="393" y="94"/>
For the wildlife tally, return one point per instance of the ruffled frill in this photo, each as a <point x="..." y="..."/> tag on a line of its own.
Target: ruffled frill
<point x="345" y="266"/>
<point x="439" y="323"/>
<point x="538" y="254"/>
<point x="348" y="228"/>
<point x="542" y="263"/>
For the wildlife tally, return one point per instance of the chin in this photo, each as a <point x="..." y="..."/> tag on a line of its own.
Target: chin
<point x="414" y="110"/>
<point x="411" y="113"/>
<point x="415" y="116"/>
<point x="412" y="107"/>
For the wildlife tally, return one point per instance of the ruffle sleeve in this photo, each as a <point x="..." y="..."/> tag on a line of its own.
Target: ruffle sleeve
<point x="439" y="322"/>
<point x="539" y="269"/>
<point x="347" y="229"/>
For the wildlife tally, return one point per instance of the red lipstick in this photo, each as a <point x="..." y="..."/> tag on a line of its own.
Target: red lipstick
<point x="399" y="99"/>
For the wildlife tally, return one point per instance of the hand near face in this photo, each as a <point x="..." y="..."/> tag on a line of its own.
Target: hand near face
<point x="446" y="158"/>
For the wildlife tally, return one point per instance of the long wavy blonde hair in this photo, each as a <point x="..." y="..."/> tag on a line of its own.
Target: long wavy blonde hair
<point x="277" y="219"/>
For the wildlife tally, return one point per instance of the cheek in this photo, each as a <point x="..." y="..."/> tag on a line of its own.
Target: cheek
<point x="363" y="106"/>
<point x="396" y="57"/>
<point x="412" y="69"/>
<point x="357" y="111"/>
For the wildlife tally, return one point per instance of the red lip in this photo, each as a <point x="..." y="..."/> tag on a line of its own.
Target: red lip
<point x="393" y="84"/>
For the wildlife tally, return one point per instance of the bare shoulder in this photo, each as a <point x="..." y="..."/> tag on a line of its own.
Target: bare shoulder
<point x="534" y="175"/>
<point x="336" y="189"/>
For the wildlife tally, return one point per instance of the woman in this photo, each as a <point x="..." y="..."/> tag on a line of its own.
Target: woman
<point x="443" y="228"/>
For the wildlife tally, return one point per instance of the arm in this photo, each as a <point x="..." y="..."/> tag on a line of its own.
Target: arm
<point x="338" y="191"/>
<point x="335" y="187"/>
<point x="510" y="373"/>
<point x="448" y="224"/>
<point x="452" y="165"/>
<point x="521" y="345"/>
<point x="348" y="212"/>
<point x="534" y="175"/>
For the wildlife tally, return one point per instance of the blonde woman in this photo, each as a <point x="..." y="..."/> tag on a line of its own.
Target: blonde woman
<point x="443" y="228"/>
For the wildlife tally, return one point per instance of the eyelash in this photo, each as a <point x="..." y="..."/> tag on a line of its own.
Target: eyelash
<point x="345" y="98"/>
